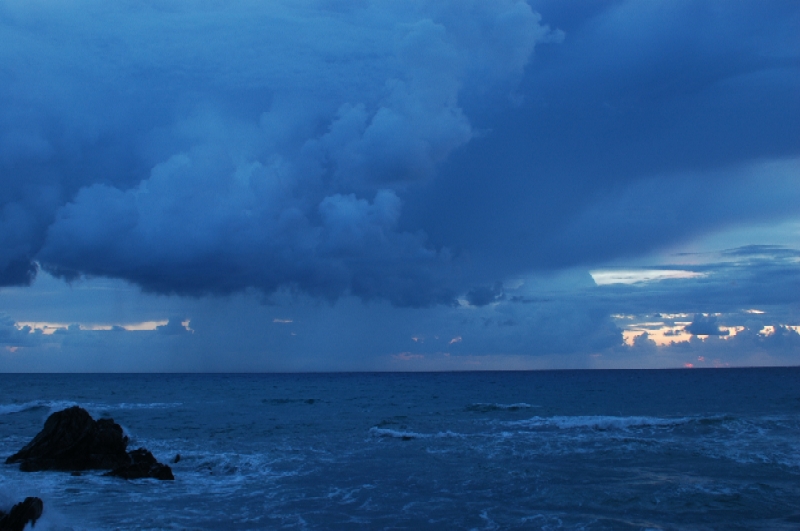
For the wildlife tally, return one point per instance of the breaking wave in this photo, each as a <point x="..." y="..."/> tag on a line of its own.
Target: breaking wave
<point x="58" y="405"/>
<point x="481" y="407"/>
<point x="53" y="405"/>
<point x="602" y="422"/>
<point x="409" y="435"/>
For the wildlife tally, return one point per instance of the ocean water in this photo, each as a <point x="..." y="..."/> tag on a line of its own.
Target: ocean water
<point x="580" y="450"/>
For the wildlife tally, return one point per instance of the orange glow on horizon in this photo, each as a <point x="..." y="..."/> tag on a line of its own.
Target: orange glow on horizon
<point x="47" y="328"/>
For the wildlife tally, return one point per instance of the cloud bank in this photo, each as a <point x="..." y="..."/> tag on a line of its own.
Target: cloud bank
<point x="415" y="152"/>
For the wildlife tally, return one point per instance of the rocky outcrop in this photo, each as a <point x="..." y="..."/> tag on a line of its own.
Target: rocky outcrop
<point x="18" y="517"/>
<point x="72" y="440"/>
<point x="143" y="465"/>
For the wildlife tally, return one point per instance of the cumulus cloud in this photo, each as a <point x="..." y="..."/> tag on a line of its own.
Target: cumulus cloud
<point x="483" y="295"/>
<point x="12" y="337"/>
<point x="206" y="149"/>
<point x="174" y="327"/>
<point x="705" y="325"/>
<point x="749" y="347"/>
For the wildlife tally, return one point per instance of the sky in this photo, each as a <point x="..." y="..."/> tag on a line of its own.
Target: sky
<point x="327" y="185"/>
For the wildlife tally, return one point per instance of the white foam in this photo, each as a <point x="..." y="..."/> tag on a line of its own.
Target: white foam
<point x="407" y="435"/>
<point x="485" y="407"/>
<point x="58" y="405"/>
<point x="146" y="405"/>
<point x="397" y="434"/>
<point x="599" y="422"/>
<point x="52" y="405"/>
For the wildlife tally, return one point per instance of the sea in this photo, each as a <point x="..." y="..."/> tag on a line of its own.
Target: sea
<point x="694" y="449"/>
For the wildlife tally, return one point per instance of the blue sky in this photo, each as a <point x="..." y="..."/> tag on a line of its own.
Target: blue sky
<point x="325" y="185"/>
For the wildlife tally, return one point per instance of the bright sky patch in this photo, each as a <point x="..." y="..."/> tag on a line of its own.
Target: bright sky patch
<point x="48" y="328"/>
<point x="635" y="276"/>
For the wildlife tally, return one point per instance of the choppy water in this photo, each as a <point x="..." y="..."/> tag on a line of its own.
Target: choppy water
<point x="590" y="450"/>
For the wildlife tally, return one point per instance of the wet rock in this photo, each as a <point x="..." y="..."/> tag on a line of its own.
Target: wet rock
<point x="143" y="465"/>
<point x="72" y="440"/>
<point x="26" y="511"/>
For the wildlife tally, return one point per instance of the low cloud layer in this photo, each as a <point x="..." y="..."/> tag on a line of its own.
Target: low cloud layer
<point x="740" y="312"/>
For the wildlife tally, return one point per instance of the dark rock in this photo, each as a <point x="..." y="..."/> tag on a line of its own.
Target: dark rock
<point x="177" y="458"/>
<point x="26" y="511"/>
<point x="143" y="465"/>
<point x="72" y="440"/>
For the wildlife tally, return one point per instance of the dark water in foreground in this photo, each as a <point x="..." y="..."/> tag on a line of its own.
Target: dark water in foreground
<point x="592" y="450"/>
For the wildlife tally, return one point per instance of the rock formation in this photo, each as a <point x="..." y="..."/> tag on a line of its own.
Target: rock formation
<point x="18" y="517"/>
<point x="72" y="440"/>
<point x="143" y="465"/>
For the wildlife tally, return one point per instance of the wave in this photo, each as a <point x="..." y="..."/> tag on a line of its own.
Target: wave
<point x="53" y="405"/>
<point x="282" y="401"/>
<point x="482" y="407"/>
<point x="397" y="434"/>
<point x="143" y="405"/>
<point x="58" y="405"/>
<point x="409" y="435"/>
<point x="601" y="422"/>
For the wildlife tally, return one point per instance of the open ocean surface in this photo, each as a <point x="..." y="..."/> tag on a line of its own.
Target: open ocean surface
<point x="589" y="450"/>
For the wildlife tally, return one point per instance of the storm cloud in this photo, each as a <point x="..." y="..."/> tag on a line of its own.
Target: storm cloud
<point x="415" y="152"/>
<point x="208" y="150"/>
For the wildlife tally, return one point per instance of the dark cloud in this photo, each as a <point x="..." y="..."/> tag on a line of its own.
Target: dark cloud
<point x="11" y="336"/>
<point x="483" y="295"/>
<point x="270" y="151"/>
<point x="19" y="271"/>
<point x="705" y="325"/>
<point x="747" y="348"/>
<point x="761" y="250"/>
<point x="648" y="125"/>
<point x="410" y="152"/>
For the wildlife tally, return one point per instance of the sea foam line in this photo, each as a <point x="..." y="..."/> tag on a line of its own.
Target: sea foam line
<point x="8" y="409"/>
<point x="485" y="407"/>
<point x="408" y="435"/>
<point x="601" y="422"/>
<point x="57" y="405"/>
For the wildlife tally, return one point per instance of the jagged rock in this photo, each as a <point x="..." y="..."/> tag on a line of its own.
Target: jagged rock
<point x="25" y="511"/>
<point x="143" y="465"/>
<point x="72" y="440"/>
